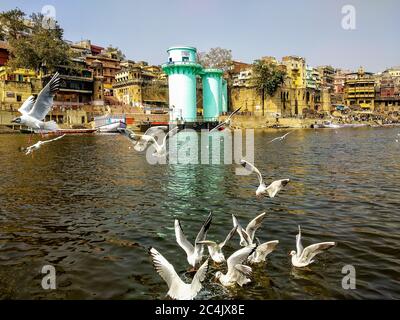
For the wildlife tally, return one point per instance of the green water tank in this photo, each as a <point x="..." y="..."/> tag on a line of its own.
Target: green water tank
<point x="212" y="93"/>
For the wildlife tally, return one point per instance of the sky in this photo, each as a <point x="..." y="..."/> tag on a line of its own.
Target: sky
<point x="144" y="29"/>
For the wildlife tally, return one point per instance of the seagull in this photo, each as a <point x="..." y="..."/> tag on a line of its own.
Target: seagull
<point x="281" y="138"/>
<point x="178" y="289"/>
<point x="272" y="189"/>
<point x="194" y="253"/>
<point x="237" y="272"/>
<point x="262" y="250"/>
<point x="215" y="249"/>
<point x="304" y="257"/>
<point x="227" y="121"/>
<point x="145" y="139"/>
<point x="160" y="148"/>
<point x="38" y="144"/>
<point x="34" y="110"/>
<point x="247" y="235"/>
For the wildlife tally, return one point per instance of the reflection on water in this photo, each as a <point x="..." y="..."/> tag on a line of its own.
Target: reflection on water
<point x="91" y="206"/>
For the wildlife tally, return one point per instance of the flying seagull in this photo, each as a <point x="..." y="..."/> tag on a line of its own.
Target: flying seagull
<point x="262" y="189"/>
<point x="237" y="272"/>
<point x="304" y="257"/>
<point x="262" y="250"/>
<point x="34" y="110"/>
<point x="247" y="235"/>
<point x="281" y="138"/>
<point x="38" y="144"/>
<point x="227" y="120"/>
<point x="146" y="138"/>
<point x="161" y="149"/>
<point x="178" y="289"/>
<point x="215" y="249"/>
<point x="194" y="253"/>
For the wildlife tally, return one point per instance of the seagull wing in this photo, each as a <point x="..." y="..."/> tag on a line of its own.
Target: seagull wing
<point x="181" y="239"/>
<point x="199" y="278"/>
<point x="164" y="268"/>
<point x="44" y="101"/>
<point x="299" y="246"/>
<point x="266" y="248"/>
<point x="55" y="139"/>
<point x="128" y="133"/>
<point x="284" y="136"/>
<point x="254" y="225"/>
<point x="201" y="236"/>
<point x="228" y="237"/>
<point x="152" y="130"/>
<point x="27" y="105"/>
<point x="234" y="112"/>
<point x="171" y="132"/>
<point x="311" y="251"/>
<point x="244" y="238"/>
<point x="239" y="256"/>
<point x="247" y="165"/>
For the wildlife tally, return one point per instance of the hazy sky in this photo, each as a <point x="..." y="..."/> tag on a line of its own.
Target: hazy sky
<point x="250" y="28"/>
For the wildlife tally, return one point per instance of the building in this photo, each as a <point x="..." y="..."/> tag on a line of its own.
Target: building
<point x="359" y="89"/>
<point x="110" y="66"/>
<point x="327" y="75"/>
<point x="140" y="85"/>
<point x="312" y="78"/>
<point x="16" y="86"/>
<point x="387" y="99"/>
<point x="4" y="54"/>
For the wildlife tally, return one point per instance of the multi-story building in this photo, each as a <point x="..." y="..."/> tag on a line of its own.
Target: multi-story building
<point x="110" y="65"/>
<point x="295" y="70"/>
<point x="138" y="85"/>
<point x="359" y="89"/>
<point x="327" y="74"/>
<point x="16" y="86"/>
<point x="312" y="78"/>
<point x="4" y="54"/>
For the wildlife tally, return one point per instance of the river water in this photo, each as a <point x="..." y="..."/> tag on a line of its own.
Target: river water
<point x="91" y="206"/>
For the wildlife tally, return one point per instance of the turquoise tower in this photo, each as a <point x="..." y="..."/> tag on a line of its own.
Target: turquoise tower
<point x="182" y="69"/>
<point x="224" y="96"/>
<point x="212" y="99"/>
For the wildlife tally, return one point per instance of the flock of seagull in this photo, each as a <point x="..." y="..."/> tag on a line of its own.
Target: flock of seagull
<point x="33" y="112"/>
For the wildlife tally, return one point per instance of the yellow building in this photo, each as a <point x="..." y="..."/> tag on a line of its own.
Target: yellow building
<point x="359" y="89"/>
<point x="16" y="86"/>
<point x="138" y="84"/>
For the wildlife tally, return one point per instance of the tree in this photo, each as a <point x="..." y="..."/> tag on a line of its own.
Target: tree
<point x="267" y="78"/>
<point x="216" y="58"/>
<point x="115" y="52"/>
<point x="35" y="47"/>
<point x="12" y="24"/>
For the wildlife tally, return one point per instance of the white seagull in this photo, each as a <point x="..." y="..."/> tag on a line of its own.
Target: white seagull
<point x="178" y="289"/>
<point x="146" y="138"/>
<point x="247" y="235"/>
<point x="262" y="250"/>
<point x="161" y="149"/>
<point x="237" y="272"/>
<point x="281" y="137"/>
<point x="38" y="144"/>
<point x="34" y="110"/>
<point x="194" y="253"/>
<point x="304" y="257"/>
<point x="227" y="121"/>
<point x="262" y="189"/>
<point x="215" y="249"/>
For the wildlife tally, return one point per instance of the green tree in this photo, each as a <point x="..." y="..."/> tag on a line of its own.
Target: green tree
<point x="12" y="24"/>
<point x="267" y="78"/>
<point x="34" y="46"/>
<point x="115" y="52"/>
<point x="216" y="58"/>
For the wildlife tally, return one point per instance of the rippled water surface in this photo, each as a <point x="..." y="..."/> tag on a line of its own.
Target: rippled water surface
<point x="91" y="206"/>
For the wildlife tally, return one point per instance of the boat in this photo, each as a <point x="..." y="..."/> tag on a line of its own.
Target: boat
<point x="326" y="124"/>
<point x="111" y="127"/>
<point x="59" y="131"/>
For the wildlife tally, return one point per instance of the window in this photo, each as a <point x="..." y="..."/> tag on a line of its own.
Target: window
<point x="19" y="98"/>
<point x="185" y="58"/>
